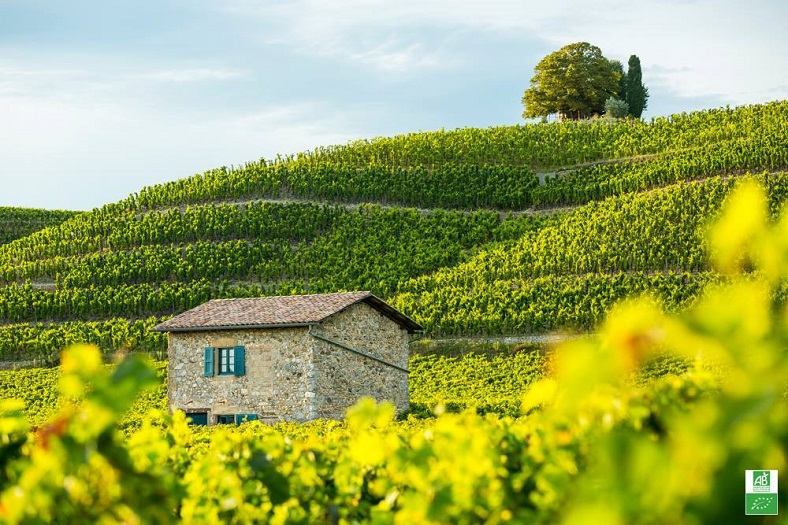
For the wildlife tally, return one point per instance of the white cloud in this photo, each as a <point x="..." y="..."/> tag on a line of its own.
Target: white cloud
<point x="91" y="86"/>
<point x="77" y="140"/>
<point x="386" y="57"/>
<point x="732" y="50"/>
<point x="374" y="33"/>
<point x="199" y="74"/>
<point x="66" y="155"/>
<point x="85" y="126"/>
<point x="20" y="80"/>
<point x="284" y="129"/>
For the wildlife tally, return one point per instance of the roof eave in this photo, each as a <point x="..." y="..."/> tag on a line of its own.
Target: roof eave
<point x="231" y="327"/>
<point x="392" y="313"/>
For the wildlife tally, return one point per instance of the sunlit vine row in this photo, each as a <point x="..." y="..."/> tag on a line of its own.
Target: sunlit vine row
<point x="16" y="223"/>
<point x="761" y="152"/>
<point x="279" y="224"/>
<point x="493" y="167"/>
<point x="39" y="343"/>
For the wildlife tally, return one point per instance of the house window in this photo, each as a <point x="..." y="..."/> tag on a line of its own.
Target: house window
<point x="226" y="361"/>
<point x="235" y="419"/>
<point x="230" y="361"/>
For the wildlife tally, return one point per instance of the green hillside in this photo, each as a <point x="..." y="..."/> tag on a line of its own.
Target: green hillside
<point x="16" y="223"/>
<point x="507" y="230"/>
<point x="651" y="420"/>
<point x="570" y="273"/>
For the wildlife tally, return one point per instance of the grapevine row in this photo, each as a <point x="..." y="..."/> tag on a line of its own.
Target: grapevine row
<point x="597" y="182"/>
<point x="543" y="304"/>
<point x="604" y="251"/>
<point x="451" y="185"/>
<point x="40" y="342"/>
<point x="16" y="223"/>
<point x="549" y="145"/>
<point x="493" y="168"/>
<point x="369" y="247"/>
<point x="275" y="223"/>
<point x="658" y="231"/>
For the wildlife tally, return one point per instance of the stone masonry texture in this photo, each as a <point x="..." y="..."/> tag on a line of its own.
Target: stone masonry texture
<point x="290" y="375"/>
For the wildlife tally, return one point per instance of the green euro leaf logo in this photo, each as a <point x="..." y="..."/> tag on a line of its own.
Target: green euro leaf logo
<point x="760" y="493"/>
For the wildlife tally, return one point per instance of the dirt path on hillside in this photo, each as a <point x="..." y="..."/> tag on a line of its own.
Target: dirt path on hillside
<point x="550" y="338"/>
<point x="357" y="205"/>
<point x="542" y="175"/>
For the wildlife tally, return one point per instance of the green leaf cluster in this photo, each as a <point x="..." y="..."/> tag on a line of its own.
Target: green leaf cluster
<point x="573" y="82"/>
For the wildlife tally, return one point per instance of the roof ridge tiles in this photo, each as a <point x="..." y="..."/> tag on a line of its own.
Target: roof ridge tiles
<point x="276" y="311"/>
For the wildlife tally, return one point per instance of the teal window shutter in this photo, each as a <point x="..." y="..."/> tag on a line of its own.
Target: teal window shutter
<point x="240" y="361"/>
<point x="242" y="418"/>
<point x="209" y="361"/>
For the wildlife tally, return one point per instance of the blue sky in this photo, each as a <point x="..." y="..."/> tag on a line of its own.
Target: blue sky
<point x="101" y="98"/>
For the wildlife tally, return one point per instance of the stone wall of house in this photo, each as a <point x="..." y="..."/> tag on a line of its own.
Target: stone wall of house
<point x="279" y="379"/>
<point x="342" y="377"/>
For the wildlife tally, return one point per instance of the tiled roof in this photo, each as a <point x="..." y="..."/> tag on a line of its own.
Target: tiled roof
<point x="279" y="311"/>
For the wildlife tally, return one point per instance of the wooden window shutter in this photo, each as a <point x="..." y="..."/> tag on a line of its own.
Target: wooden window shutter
<point x="240" y="361"/>
<point x="209" y="353"/>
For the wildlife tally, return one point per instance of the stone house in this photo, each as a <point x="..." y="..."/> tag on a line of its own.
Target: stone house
<point x="291" y="358"/>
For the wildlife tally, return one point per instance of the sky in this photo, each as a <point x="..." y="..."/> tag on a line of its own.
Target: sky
<point x="101" y="98"/>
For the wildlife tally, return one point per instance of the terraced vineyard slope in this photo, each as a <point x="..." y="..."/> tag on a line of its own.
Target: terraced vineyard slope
<point x="507" y="230"/>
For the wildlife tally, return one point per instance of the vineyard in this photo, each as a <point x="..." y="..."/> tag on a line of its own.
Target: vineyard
<point x="653" y="420"/>
<point x="16" y="223"/>
<point x="496" y="167"/>
<point x="474" y="232"/>
<point x="570" y="273"/>
<point x="498" y="231"/>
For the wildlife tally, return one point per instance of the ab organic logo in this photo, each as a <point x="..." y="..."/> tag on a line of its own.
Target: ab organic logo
<point x="760" y="492"/>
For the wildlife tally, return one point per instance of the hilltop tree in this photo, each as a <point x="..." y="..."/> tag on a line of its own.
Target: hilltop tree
<point x="635" y="93"/>
<point x="622" y="83"/>
<point x="574" y="82"/>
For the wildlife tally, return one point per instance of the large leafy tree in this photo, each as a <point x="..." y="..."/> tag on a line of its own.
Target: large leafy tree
<point x="574" y="82"/>
<point x="622" y="82"/>
<point x="636" y="94"/>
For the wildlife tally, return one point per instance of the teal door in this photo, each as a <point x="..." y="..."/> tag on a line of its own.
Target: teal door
<point x="198" y="418"/>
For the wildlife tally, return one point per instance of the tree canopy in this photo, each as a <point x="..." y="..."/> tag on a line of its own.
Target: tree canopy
<point x="574" y="82"/>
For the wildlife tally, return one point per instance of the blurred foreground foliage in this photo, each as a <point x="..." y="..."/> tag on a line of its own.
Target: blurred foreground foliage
<point x="602" y="437"/>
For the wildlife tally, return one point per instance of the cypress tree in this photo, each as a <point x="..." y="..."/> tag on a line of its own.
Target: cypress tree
<point x="636" y="92"/>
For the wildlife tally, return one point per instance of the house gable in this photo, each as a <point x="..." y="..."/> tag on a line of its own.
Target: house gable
<point x="343" y="376"/>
